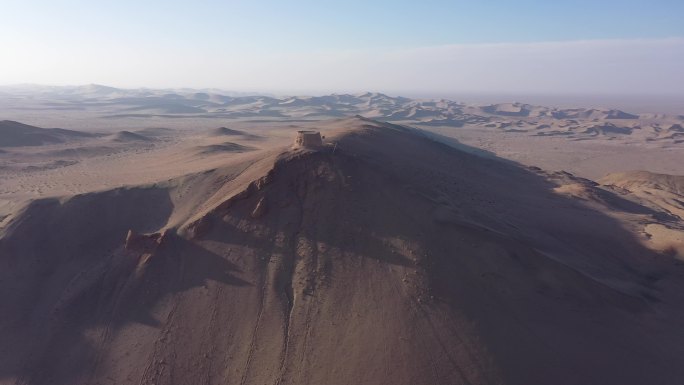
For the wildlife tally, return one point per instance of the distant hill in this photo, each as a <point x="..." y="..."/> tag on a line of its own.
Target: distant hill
<point x="15" y="134"/>
<point x="127" y="136"/>
<point x="225" y="131"/>
<point x="576" y="123"/>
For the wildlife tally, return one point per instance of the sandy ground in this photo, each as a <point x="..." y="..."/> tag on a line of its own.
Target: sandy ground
<point x="98" y="164"/>
<point x="591" y="159"/>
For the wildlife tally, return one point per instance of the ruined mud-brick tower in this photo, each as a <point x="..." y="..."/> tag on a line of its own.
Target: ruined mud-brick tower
<point x="308" y="139"/>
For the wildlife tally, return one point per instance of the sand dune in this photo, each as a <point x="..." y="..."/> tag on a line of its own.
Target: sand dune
<point x="155" y="131"/>
<point x="225" y="131"/>
<point x="617" y="114"/>
<point x="222" y="148"/>
<point x="509" y="109"/>
<point x="394" y="259"/>
<point x="161" y="108"/>
<point x="198" y="104"/>
<point x="127" y="136"/>
<point x="607" y="129"/>
<point x="675" y="128"/>
<point x="80" y="152"/>
<point x="581" y="113"/>
<point x="15" y="134"/>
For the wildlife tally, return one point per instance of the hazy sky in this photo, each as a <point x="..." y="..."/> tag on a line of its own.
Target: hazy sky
<point x="522" y="46"/>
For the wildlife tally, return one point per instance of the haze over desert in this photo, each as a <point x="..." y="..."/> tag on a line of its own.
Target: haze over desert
<point x="379" y="193"/>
